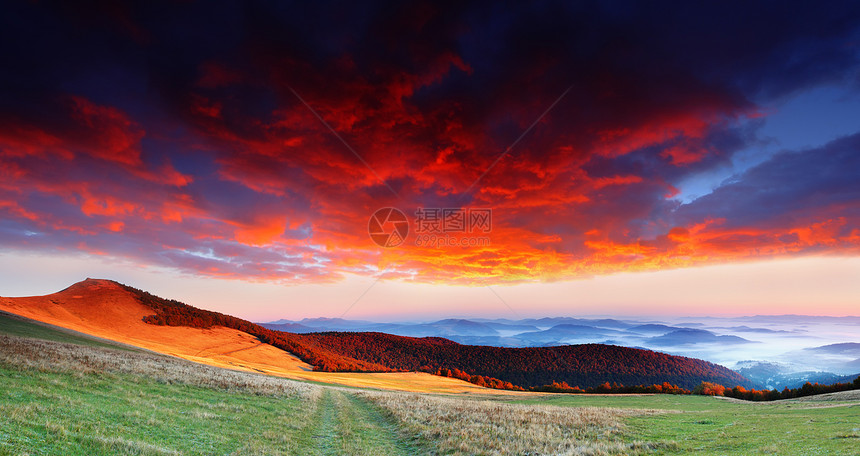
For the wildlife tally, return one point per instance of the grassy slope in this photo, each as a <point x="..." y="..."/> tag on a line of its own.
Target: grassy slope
<point x="85" y="413"/>
<point x="707" y="425"/>
<point x="219" y="347"/>
<point x="60" y="398"/>
<point x="14" y="325"/>
<point x="144" y="403"/>
<point x="67" y="413"/>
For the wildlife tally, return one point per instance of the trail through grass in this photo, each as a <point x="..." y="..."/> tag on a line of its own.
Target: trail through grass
<point x="58" y="398"/>
<point x="88" y="414"/>
<point x="346" y="425"/>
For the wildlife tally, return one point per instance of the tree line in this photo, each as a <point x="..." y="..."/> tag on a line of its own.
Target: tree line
<point x="808" y="389"/>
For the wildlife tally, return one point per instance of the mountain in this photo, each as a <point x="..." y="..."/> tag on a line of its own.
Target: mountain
<point x="126" y="314"/>
<point x="842" y="358"/>
<point x="800" y="319"/>
<point x="464" y="327"/>
<point x="850" y="349"/>
<point x="651" y="328"/>
<point x="548" y="322"/>
<point x="500" y="333"/>
<point x="583" y="365"/>
<point x="290" y="327"/>
<point x="744" y="328"/>
<point x="334" y="324"/>
<point x="492" y="341"/>
<point x="724" y="340"/>
<point x="771" y="375"/>
<point x="567" y="333"/>
<point x="853" y="366"/>
<point x="689" y="336"/>
<point x="456" y="328"/>
<point x="442" y="328"/>
<point x="512" y="327"/>
<point x="108" y="310"/>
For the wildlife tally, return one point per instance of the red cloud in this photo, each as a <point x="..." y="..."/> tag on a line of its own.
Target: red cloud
<point x="284" y="197"/>
<point x="105" y="132"/>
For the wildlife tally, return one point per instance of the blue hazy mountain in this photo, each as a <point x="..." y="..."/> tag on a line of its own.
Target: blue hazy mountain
<point x="651" y="328"/>
<point x="811" y="348"/>
<point x="690" y="336"/>
<point x="851" y="349"/>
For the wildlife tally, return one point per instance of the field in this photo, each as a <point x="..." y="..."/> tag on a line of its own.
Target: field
<point x="64" y="398"/>
<point x="66" y="393"/>
<point x="828" y="424"/>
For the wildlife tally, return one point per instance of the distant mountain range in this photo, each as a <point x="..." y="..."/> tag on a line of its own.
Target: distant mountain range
<point x="823" y="364"/>
<point x="778" y="375"/>
<point x="850" y="349"/>
<point x="689" y="336"/>
<point x="540" y="332"/>
<point x="800" y="319"/>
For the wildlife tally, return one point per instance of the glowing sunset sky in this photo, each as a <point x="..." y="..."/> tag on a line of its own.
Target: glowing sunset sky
<point x="638" y="158"/>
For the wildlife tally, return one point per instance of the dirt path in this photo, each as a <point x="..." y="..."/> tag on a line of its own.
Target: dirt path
<point x="343" y="424"/>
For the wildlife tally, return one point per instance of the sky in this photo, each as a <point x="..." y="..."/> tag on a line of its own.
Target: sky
<point x="549" y="158"/>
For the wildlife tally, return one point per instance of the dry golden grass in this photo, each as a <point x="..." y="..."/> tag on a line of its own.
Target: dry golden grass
<point x="63" y="357"/>
<point x="852" y="395"/>
<point x="104" y="309"/>
<point x="458" y="425"/>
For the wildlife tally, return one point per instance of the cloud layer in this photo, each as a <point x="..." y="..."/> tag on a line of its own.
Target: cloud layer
<point x="255" y="139"/>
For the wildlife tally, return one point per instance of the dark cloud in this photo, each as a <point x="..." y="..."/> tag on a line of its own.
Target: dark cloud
<point x="792" y="187"/>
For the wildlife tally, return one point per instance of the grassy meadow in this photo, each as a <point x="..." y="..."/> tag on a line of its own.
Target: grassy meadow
<point x="65" y="393"/>
<point x="707" y="425"/>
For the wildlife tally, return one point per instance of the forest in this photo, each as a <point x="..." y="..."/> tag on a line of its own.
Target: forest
<point x="587" y="365"/>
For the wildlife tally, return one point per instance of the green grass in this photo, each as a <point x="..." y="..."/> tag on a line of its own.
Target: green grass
<point x="83" y="414"/>
<point x="345" y="424"/>
<point x="707" y="425"/>
<point x="72" y="413"/>
<point x="89" y="398"/>
<point x="14" y="325"/>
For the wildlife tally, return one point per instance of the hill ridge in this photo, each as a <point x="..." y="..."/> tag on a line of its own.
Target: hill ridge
<point x="110" y="309"/>
<point x="586" y="365"/>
